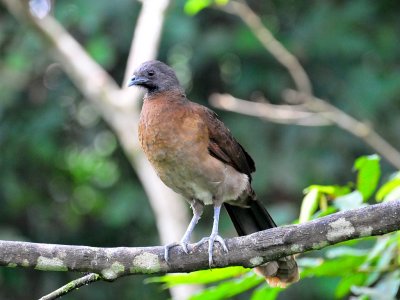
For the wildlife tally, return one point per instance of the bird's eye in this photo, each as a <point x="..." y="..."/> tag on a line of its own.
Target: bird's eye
<point x="151" y="73"/>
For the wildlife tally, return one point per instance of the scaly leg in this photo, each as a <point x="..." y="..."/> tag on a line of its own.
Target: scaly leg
<point x="214" y="237"/>
<point x="197" y="208"/>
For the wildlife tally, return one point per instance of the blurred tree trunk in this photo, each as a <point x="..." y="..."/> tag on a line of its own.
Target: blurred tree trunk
<point x="118" y="106"/>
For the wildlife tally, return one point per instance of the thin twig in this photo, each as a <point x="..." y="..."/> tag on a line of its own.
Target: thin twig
<point x="71" y="286"/>
<point x="313" y="112"/>
<point x="350" y="124"/>
<point x="319" y="109"/>
<point x="283" y="114"/>
<point x="287" y="59"/>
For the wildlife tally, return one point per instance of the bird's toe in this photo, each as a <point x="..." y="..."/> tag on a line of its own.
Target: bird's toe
<point x="185" y="246"/>
<point x="212" y="239"/>
<point x="167" y="248"/>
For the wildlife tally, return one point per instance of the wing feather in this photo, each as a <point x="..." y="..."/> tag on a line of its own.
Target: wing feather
<point x="223" y="146"/>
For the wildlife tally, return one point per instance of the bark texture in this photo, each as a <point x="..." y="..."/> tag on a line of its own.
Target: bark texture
<point x="247" y="251"/>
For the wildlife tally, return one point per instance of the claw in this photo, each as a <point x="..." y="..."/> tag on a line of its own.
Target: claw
<point x="214" y="237"/>
<point x="183" y="244"/>
<point x="211" y="240"/>
<point x="219" y="239"/>
<point x="166" y="250"/>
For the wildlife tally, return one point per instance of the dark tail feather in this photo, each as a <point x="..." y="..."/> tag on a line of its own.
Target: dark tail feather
<point x="249" y="220"/>
<point x="256" y="218"/>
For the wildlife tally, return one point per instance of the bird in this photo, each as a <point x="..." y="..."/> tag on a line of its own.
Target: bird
<point x="196" y="155"/>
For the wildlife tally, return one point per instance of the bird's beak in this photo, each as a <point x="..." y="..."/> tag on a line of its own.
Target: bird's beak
<point x="137" y="80"/>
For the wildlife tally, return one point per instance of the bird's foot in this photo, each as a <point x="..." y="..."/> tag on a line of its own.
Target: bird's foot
<point x="211" y="240"/>
<point x="183" y="244"/>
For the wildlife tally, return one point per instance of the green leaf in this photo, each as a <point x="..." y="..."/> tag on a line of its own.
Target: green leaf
<point x="369" y="172"/>
<point x="309" y="262"/>
<point x="265" y="293"/>
<point x="331" y="190"/>
<point x="386" y="288"/>
<point x="228" y="289"/>
<point x="388" y="187"/>
<point x="349" y="201"/>
<point x="347" y="282"/>
<point x="381" y="243"/>
<point x="309" y="205"/>
<point x="397" y="238"/>
<point x="221" y="2"/>
<point x="335" y="267"/>
<point x="393" y="195"/>
<point x="383" y="262"/>
<point x="328" y="211"/>
<point x="193" y="7"/>
<point x="339" y="251"/>
<point x="199" y="277"/>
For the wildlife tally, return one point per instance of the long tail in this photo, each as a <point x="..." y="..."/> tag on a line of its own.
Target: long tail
<point x="256" y="218"/>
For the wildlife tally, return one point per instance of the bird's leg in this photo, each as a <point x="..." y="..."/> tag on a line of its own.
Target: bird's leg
<point x="186" y="237"/>
<point x="214" y="237"/>
<point x="197" y="208"/>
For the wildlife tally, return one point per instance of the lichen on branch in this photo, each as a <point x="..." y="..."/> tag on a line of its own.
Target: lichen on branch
<point x="247" y="251"/>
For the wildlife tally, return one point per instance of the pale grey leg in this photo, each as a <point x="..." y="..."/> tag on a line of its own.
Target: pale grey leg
<point x="214" y="237"/>
<point x="197" y="208"/>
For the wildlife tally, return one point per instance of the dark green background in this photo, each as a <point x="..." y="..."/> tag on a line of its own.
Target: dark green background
<point x="64" y="178"/>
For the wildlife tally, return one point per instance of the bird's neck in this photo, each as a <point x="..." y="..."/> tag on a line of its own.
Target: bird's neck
<point x="176" y="94"/>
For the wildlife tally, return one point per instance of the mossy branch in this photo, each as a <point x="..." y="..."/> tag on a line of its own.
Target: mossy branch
<point x="247" y="251"/>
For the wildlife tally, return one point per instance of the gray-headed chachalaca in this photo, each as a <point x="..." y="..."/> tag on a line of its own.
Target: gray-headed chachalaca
<point x="195" y="154"/>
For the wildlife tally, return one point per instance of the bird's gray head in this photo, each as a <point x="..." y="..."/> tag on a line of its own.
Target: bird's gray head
<point x="155" y="76"/>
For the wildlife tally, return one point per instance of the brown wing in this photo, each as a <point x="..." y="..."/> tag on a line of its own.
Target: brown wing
<point x="223" y="146"/>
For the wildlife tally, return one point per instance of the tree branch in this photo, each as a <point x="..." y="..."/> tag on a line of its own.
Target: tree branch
<point x="283" y="114"/>
<point x="350" y="124"/>
<point x="310" y="110"/>
<point x="73" y="285"/>
<point x="247" y="251"/>
<point x="267" y="39"/>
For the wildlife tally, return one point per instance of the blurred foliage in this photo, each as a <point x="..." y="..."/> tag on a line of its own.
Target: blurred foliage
<point x="367" y="268"/>
<point x="192" y="7"/>
<point x="64" y="178"/>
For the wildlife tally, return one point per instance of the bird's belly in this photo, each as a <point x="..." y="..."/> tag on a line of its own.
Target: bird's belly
<point x="209" y="181"/>
<point x="181" y="159"/>
<point x="184" y="174"/>
<point x="177" y="155"/>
